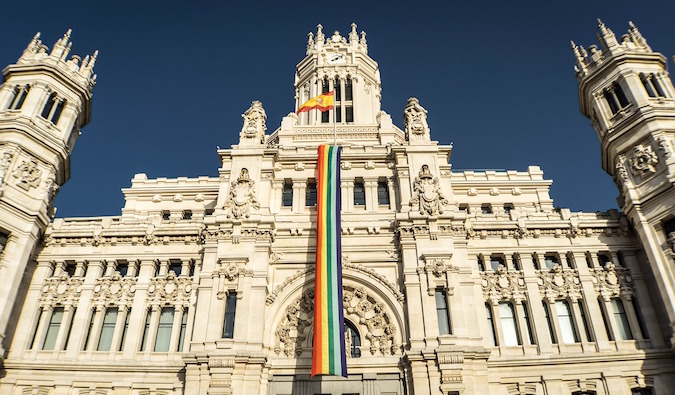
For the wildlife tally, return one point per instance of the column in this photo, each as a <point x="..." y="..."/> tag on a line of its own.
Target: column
<point x="122" y="312"/>
<point x="579" y="325"/>
<point x="134" y="267"/>
<point x="62" y="336"/>
<point x="43" y="324"/>
<point x="632" y="319"/>
<point x="553" y="315"/>
<point x="80" y="268"/>
<point x="299" y="188"/>
<point x="96" y="328"/>
<point x="348" y="195"/>
<point x="589" y="297"/>
<point x="139" y="309"/>
<point x="392" y="194"/>
<point x="497" y="322"/>
<point x="163" y="268"/>
<point x="538" y="316"/>
<point x="606" y="306"/>
<point x="83" y="315"/>
<point x="59" y="268"/>
<point x="186" y="264"/>
<point x="276" y="196"/>
<point x="175" y="327"/>
<point x="522" y="324"/>
<point x="109" y="268"/>
<point x="371" y="194"/>
<point x="6" y="96"/>
<point x="35" y="100"/>
<point x="152" y="331"/>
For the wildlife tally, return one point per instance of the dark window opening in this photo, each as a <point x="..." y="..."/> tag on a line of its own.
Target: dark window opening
<point x="47" y="109"/>
<point x="230" y="311"/>
<point x="551" y="260"/>
<point x="187" y="214"/>
<point x="547" y="315"/>
<point x="166" y="215"/>
<point x="176" y="266"/>
<point x="481" y="265"/>
<point x="640" y="318"/>
<point x="325" y="117"/>
<point x="535" y="261"/>
<point x="464" y="207"/>
<point x="348" y="89"/>
<point x="515" y="258"/>
<point x="382" y="193"/>
<point x="287" y="195"/>
<point x="70" y="269"/>
<point x="338" y="90"/>
<point x="310" y="194"/>
<point x="495" y="261"/>
<point x="123" y="268"/>
<point x="353" y="340"/>
<point x="359" y="194"/>
<point x="486" y="209"/>
<point x="623" y="101"/>
<point x="604" y="320"/>
<point x="442" y="312"/>
<point x="349" y="114"/>
<point x="507" y="208"/>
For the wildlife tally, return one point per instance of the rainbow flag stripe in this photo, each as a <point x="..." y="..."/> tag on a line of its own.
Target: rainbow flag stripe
<point x="328" y="356"/>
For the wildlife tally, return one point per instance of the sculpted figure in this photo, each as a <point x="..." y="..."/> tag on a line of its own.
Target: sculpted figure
<point x="415" y="121"/>
<point x="28" y="174"/>
<point x="5" y="161"/>
<point x="644" y="159"/>
<point x="255" y="125"/>
<point x="427" y="193"/>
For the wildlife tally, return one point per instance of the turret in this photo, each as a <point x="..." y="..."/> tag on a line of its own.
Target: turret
<point x="625" y="90"/>
<point x="45" y="100"/>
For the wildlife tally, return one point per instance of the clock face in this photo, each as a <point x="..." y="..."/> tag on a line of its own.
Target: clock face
<point x="336" y="58"/>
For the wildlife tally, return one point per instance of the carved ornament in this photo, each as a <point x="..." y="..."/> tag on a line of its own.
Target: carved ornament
<point x="61" y="290"/>
<point x="255" y="125"/>
<point x="612" y="281"/>
<point x="644" y="159"/>
<point x="170" y="289"/>
<point x="415" y="121"/>
<point x="559" y="283"/>
<point x="242" y="197"/>
<point x="5" y="162"/>
<point x="427" y="193"/>
<point x="116" y="289"/>
<point x="503" y="284"/>
<point x="28" y="174"/>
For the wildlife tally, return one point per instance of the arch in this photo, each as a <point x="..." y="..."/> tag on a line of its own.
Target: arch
<point x="375" y="311"/>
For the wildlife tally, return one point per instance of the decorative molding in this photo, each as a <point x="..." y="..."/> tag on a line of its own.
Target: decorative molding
<point x="559" y="283"/>
<point x="61" y="290"/>
<point x="170" y="289"/>
<point x="427" y="193"/>
<point x="503" y="285"/>
<point x="28" y="174"/>
<point x="643" y="161"/>
<point x="115" y="289"/>
<point x="241" y="198"/>
<point x="612" y="281"/>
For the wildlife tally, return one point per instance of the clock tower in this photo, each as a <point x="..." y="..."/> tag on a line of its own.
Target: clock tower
<point x="341" y="64"/>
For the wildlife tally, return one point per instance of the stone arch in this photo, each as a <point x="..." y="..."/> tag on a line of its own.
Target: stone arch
<point x="376" y="311"/>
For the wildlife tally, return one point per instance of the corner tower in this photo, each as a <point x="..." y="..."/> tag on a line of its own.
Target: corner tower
<point x="45" y="100"/>
<point x="625" y="90"/>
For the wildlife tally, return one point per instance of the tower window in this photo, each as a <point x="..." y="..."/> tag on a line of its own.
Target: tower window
<point x="53" y="108"/>
<point x="3" y="241"/>
<point x="349" y="114"/>
<point x="310" y="194"/>
<point x="230" y="312"/>
<point x="338" y="90"/>
<point x="382" y="193"/>
<point x="19" y="96"/>
<point x="325" y="87"/>
<point x="615" y="98"/>
<point x="338" y="113"/>
<point x="287" y="195"/>
<point x="359" y="194"/>
<point x="348" y="89"/>
<point x="652" y="85"/>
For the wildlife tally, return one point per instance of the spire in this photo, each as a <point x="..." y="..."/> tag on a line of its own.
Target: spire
<point x="637" y="37"/>
<point x="310" y="42"/>
<point x="33" y="46"/>
<point x="62" y="46"/>
<point x="581" y="59"/>
<point x="353" y="36"/>
<point x="606" y="36"/>
<point x="364" y="44"/>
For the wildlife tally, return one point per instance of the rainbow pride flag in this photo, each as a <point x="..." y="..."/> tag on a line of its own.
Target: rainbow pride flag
<point x="328" y="355"/>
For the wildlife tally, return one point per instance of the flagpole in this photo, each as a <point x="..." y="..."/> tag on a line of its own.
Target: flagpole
<point x="334" y="122"/>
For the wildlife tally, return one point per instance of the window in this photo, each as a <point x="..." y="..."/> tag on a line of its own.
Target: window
<point x="641" y="391"/>
<point x="528" y="324"/>
<point x="187" y="215"/>
<point x="122" y="268"/>
<point x="146" y="330"/>
<point x="183" y="327"/>
<point x="125" y="328"/>
<point x="481" y="265"/>
<point x="535" y="261"/>
<point x="640" y="318"/>
<point x="19" y="96"/>
<point x="491" y="325"/>
<point x="584" y="321"/>
<point x="348" y="89"/>
<point x="569" y="260"/>
<point x="352" y="340"/>
<point x="349" y="114"/>
<point x="652" y="85"/>
<point x="3" y="241"/>
<point x="325" y="115"/>
<point x="495" y="261"/>
<point x="176" y="266"/>
<point x="91" y="327"/>
<point x="615" y="98"/>
<point x="359" y="194"/>
<point x="485" y="208"/>
<point x="589" y="260"/>
<point x="515" y="258"/>
<point x="230" y="312"/>
<point x="338" y="113"/>
<point x="604" y="320"/>
<point x="287" y="195"/>
<point x="166" y="215"/>
<point x="547" y="314"/>
<point x="52" y="109"/>
<point x="621" y="258"/>
<point x="621" y="319"/>
<point x="310" y="194"/>
<point x="464" y="208"/>
<point x="107" y="330"/>
<point x="509" y="326"/>
<point x="566" y="321"/>
<point x="550" y="260"/>
<point x="382" y="193"/>
<point x="69" y="269"/>
<point x="70" y="329"/>
<point x="338" y="90"/>
<point x="53" y="328"/>
<point x="164" y="329"/>
<point x="442" y="312"/>
<point x="507" y="208"/>
<point x="192" y="268"/>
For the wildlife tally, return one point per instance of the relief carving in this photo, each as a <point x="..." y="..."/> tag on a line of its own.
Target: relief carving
<point x="427" y="193"/>
<point x="368" y="315"/>
<point x="115" y="289"/>
<point x="28" y="174"/>
<point x="170" y="289"/>
<point x="644" y="159"/>
<point x="5" y="161"/>
<point x="242" y="197"/>
<point x="559" y="283"/>
<point x="61" y="290"/>
<point x="415" y="121"/>
<point x="612" y="281"/>
<point x="503" y="284"/>
<point x="665" y="147"/>
<point x="255" y="125"/>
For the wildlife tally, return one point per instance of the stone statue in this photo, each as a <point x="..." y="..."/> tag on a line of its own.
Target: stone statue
<point x="5" y="161"/>
<point x="427" y="193"/>
<point x="255" y="125"/>
<point x="241" y="197"/>
<point x="415" y="121"/>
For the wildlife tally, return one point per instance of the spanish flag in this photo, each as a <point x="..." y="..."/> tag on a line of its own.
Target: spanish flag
<point x="323" y="102"/>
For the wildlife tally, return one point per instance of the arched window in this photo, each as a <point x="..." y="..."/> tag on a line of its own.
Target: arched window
<point x="53" y="108"/>
<point x="18" y="97"/>
<point x="352" y="340"/>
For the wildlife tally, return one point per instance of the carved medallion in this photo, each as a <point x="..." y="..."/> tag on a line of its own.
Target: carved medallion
<point x="241" y="197"/>
<point x="427" y="193"/>
<point x="28" y="174"/>
<point x="644" y="159"/>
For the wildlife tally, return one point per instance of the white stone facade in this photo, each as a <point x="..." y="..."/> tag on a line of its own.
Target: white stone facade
<point x="454" y="282"/>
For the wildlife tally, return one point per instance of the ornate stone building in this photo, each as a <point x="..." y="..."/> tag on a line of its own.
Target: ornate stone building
<point x="454" y="282"/>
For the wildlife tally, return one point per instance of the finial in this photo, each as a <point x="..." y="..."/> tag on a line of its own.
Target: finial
<point x="319" y="29"/>
<point x="67" y="35"/>
<point x="637" y="37"/>
<point x="353" y="27"/>
<point x="606" y="36"/>
<point x="353" y="36"/>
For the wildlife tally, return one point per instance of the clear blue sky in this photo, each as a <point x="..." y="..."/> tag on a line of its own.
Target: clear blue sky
<point x="174" y="79"/>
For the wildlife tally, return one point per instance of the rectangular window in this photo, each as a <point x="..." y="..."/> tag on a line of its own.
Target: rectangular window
<point x="166" y="215"/>
<point x="325" y="116"/>
<point x="107" y="330"/>
<point x="547" y="314"/>
<point x="348" y="89"/>
<point x="621" y="319"/>
<point x="481" y="265"/>
<point x="528" y="324"/>
<point x="187" y="215"/>
<point x="122" y="268"/>
<point x="230" y="312"/>
<point x="509" y="326"/>
<point x="442" y="312"/>
<point x="349" y="114"/>
<point x="338" y="91"/>
<point x="515" y="258"/>
<point x="550" y="260"/>
<point x="566" y="321"/>
<point x="491" y="324"/>
<point x="464" y="208"/>
<point x="640" y="318"/>
<point x="91" y="328"/>
<point x="287" y="195"/>
<point x="183" y="327"/>
<point x="382" y="193"/>
<point x="164" y="329"/>
<point x="310" y="194"/>
<point x="656" y="85"/>
<point x="53" y="328"/>
<point x="146" y="330"/>
<point x="47" y="109"/>
<point x="604" y="258"/>
<point x="338" y="114"/>
<point x="495" y="261"/>
<point x="176" y="266"/>
<point x="58" y="111"/>
<point x="124" y="331"/>
<point x="70" y="269"/>
<point x="3" y="241"/>
<point x="486" y="208"/>
<point x="359" y="194"/>
<point x="582" y="312"/>
<point x="648" y="86"/>
<point x="70" y="329"/>
<point x="604" y="320"/>
<point x="507" y="208"/>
